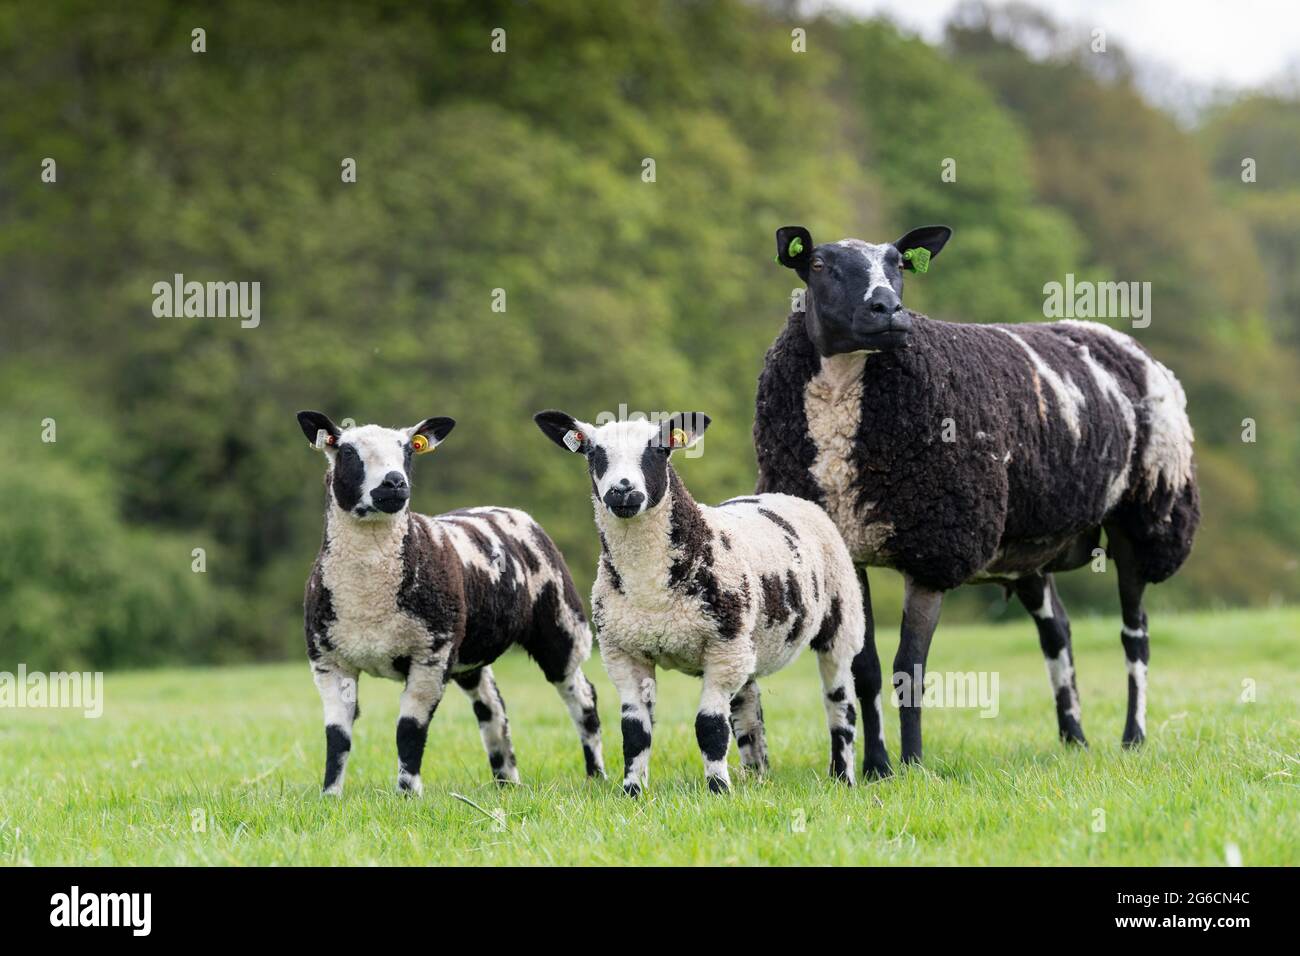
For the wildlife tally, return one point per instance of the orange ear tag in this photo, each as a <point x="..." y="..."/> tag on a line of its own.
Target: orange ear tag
<point x="421" y="444"/>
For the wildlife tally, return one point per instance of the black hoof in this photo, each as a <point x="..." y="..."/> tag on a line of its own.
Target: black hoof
<point x="875" y="766"/>
<point x="1072" y="733"/>
<point x="1133" y="740"/>
<point x="718" y="785"/>
<point x="633" y="790"/>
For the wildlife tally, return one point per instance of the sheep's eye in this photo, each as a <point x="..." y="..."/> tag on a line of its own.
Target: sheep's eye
<point x="818" y="265"/>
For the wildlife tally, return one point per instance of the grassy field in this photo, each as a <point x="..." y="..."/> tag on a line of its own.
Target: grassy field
<point x="222" y="767"/>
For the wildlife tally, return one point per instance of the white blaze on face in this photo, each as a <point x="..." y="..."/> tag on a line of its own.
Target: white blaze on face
<point x="381" y="450"/>
<point x="875" y="256"/>
<point x="620" y="447"/>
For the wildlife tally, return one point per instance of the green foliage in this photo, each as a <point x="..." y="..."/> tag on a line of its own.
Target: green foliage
<point x="523" y="172"/>
<point x="79" y="586"/>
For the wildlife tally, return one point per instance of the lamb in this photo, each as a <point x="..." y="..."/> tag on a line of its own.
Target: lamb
<point x="729" y="594"/>
<point x="421" y="599"/>
<point x="967" y="454"/>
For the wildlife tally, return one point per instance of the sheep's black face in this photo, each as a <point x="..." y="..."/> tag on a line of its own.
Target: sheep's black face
<point x="370" y="466"/>
<point x="627" y="461"/>
<point x="854" y="300"/>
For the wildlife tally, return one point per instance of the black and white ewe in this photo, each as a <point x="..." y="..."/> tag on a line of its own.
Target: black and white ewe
<point x="973" y="453"/>
<point x="729" y="594"/>
<point x="421" y="599"/>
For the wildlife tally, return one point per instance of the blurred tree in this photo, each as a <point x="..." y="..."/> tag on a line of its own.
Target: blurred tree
<point x="520" y="174"/>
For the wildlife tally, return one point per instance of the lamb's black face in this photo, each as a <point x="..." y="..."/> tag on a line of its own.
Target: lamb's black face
<point x="370" y="466"/>
<point x="628" y="465"/>
<point x="627" y="461"/>
<point x="372" y="471"/>
<point x="854" y="300"/>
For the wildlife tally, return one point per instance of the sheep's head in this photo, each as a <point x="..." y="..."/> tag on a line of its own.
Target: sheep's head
<point x="854" y="301"/>
<point x="369" y="473"/>
<point x="628" y="461"/>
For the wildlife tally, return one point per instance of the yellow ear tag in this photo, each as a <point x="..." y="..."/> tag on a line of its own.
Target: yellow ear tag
<point x="421" y="444"/>
<point x="679" y="438"/>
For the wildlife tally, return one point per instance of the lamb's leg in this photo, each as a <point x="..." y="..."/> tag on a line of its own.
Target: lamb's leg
<point x="725" y="673"/>
<point x="579" y="697"/>
<point x="836" y="665"/>
<point x="1038" y="595"/>
<point x="867" y="681"/>
<point x="425" y="683"/>
<point x="493" y="726"/>
<point x="338" y="694"/>
<point x="1133" y="635"/>
<point x="634" y="678"/>
<point x="560" y="641"/>
<point x="921" y="607"/>
<point x="747" y="725"/>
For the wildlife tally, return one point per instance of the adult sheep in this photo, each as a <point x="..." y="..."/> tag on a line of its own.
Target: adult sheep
<point x="969" y="454"/>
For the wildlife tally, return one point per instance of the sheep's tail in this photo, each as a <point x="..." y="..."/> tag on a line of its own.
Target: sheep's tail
<point x="1162" y="510"/>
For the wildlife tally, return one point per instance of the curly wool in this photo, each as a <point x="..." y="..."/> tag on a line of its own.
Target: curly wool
<point x="983" y="451"/>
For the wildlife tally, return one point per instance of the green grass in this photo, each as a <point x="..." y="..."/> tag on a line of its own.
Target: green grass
<point x="242" y="749"/>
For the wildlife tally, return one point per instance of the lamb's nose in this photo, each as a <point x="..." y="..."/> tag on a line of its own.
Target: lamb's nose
<point x="394" y="479"/>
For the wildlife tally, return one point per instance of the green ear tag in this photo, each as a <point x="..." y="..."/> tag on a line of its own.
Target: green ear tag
<point x="795" y="247"/>
<point x="919" y="257"/>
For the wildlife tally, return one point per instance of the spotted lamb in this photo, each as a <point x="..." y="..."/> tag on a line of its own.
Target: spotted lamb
<point x="420" y="599"/>
<point x="729" y="594"/>
<point x="973" y="453"/>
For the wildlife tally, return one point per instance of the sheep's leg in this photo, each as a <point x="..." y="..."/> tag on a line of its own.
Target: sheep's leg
<point x="921" y="607"/>
<point x="579" y="697"/>
<point x="1133" y="635"/>
<point x="836" y="667"/>
<point x="634" y="678"/>
<point x="1038" y="595"/>
<point x="338" y="694"/>
<point x="867" y="681"/>
<point x="560" y="642"/>
<point x="726" y="671"/>
<point x="493" y="726"/>
<point x="747" y="726"/>
<point x="425" y="683"/>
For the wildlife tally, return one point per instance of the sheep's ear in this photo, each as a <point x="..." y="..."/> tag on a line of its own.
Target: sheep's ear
<point x="928" y="238"/>
<point x="794" y="248"/>
<point x="565" y="430"/>
<point x="432" y="431"/>
<point x="682" y="430"/>
<point x="318" y="428"/>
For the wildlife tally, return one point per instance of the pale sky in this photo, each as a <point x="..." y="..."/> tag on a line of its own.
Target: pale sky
<point x="1208" y="43"/>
